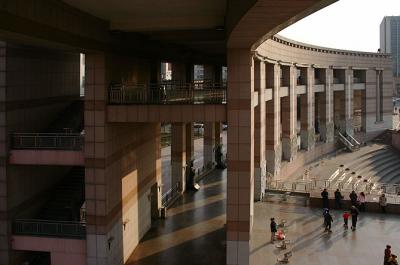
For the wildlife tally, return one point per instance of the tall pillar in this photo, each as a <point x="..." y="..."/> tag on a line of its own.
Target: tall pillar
<point x="289" y="114"/>
<point x="209" y="73"/>
<point x="178" y="155"/>
<point x="240" y="180"/>
<point x="218" y="131"/>
<point x="209" y="144"/>
<point x="307" y="112"/>
<point x="189" y="142"/>
<point x="218" y="74"/>
<point x="259" y="132"/>
<point x="121" y="159"/>
<point x="155" y="72"/>
<point x="179" y="72"/>
<point x="347" y="122"/>
<point x="273" y="108"/>
<point x="326" y="107"/>
<point x="189" y="72"/>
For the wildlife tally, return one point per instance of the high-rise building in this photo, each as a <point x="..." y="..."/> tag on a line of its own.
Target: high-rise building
<point x="390" y="43"/>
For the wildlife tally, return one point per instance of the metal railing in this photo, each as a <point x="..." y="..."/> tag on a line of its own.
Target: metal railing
<point x="165" y="94"/>
<point x="61" y="229"/>
<point x="315" y="186"/>
<point x="47" y="141"/>
<point x="171" y="195"/>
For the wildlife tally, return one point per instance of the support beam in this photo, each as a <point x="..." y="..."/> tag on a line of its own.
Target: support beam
<point x="240" y="183"/>
<point x="326" y="107"/>
<point x="209" y="145"/>
<point x="307" y="111"/>
<point x="289" y="114"/>
<point x="178" y="156"/>
<point x="259" y="132"/>
<point x="273" y="121"/>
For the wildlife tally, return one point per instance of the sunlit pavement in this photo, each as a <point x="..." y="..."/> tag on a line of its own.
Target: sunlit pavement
<point x="311" y="245"/>
<point x="193" y="232"/>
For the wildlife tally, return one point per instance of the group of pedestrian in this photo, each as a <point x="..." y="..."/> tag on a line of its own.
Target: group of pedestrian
<point x="358" y="204"/>
<point x="389" y="258"/>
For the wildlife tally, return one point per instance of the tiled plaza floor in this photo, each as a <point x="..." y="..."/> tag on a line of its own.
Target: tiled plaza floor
<point x="312" y="246"/>
<point x="194" y="233"/>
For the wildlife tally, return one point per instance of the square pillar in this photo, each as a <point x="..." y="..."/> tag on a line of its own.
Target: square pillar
<point x="209" y="73"/>
<point x="178" y="155"/>
<point x="273" y="120"/>
<point x="189" y="142"/>
<point x="240" y="180"/>
<point x="347" y="122"/>
<point x="326" y="107"/>
<point x="209" y="145"/>
<point x="260" y="167"/>
<point x="289" y="114"/>
<point x="307" y="112"/>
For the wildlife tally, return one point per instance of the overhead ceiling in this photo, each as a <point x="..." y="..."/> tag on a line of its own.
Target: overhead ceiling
<point x="156" y="15"/>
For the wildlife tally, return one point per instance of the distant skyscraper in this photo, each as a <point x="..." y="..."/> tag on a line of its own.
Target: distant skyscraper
<point x="390" y="43"/>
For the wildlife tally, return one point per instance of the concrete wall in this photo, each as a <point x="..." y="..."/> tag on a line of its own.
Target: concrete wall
<point x="123" y="161"/>
<point x="35" y="85"/>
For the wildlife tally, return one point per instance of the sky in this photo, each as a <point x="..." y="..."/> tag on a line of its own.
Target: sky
<point x="346" y="24"/>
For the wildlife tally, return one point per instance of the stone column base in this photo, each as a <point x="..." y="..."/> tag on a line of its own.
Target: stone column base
<point x="260" y="179"/>
<point x="274" y="159"/>
<point x="307" y="139"/>
<point x="289" y="148"/>
<point x="327" y="132"/>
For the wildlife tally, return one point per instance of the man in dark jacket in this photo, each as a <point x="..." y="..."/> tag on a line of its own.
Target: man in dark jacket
<point x="354" y="216"/>
<point x="325" y="199"/>
<point x="338" y="199"/>
<point x="353" y="198"/>
<point x="328" y="221"/>
<point x="274" y="229"/>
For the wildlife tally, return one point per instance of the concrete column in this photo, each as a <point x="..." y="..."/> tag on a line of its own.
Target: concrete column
<point x="218" y="131"/>
<point x="155" y="72"/>
<point x="307" y="112"/>
<point x="273" y="121"/>
<point x="259" y="132"/>
<point x="218" y="74"/>
<point x="326" y="107"/>
<point x="289" y="114"/>
<point x="120" y="160"/>
<point x="178" y="155"/>
<point x="209" y="145"/>
<point x="346" y="121"/>
<point x="189" y="72"/>
<point x="209" y="73"/>
<point x="240" y="180"/>
<point x="179" y="72"/>
<point x="189" y="142"/>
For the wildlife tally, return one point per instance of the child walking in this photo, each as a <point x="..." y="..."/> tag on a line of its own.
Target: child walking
<point x="346" y="216"/>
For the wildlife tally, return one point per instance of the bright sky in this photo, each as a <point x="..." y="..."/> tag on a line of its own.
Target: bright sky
<point x="346" y="24"/>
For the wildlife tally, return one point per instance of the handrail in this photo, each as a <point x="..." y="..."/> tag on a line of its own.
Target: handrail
<point x="170" y="195"/>
<point x="48" y="141"/>
<point x="192" y="93"/>
<point x="345" y="141"/>
<point x="36" y="227"/>
<point x="353" y="140"/>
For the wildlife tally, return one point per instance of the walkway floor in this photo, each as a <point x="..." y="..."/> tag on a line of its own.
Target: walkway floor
<point x="312" y="246"/>
<point x="193" y="232"/>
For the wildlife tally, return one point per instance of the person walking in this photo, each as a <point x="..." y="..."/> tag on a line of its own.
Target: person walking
<point x="328" y="221"/>
<point x="353" y="198"/>
<point x="388" y="254"/>
<point x="274" y="229"/>
<point x="361" y="201"/>
<point x="338" y="199"/>
<point x="325" y="199"/>
<point x="346" y="216"/>
<point x="383" y="202"/>
<point x="354" y="216"/>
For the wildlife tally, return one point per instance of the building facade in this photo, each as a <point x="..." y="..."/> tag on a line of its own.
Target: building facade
<point x="80" y="178"/>
<point x="390" y="43"/>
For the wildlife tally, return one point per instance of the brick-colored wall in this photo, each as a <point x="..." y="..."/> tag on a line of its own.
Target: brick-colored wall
<point x="122" y="161"/>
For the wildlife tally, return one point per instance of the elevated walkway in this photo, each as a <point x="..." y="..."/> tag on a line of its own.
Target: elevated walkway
<point x="60" y="144"/>
<point x="167" y="102"/>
